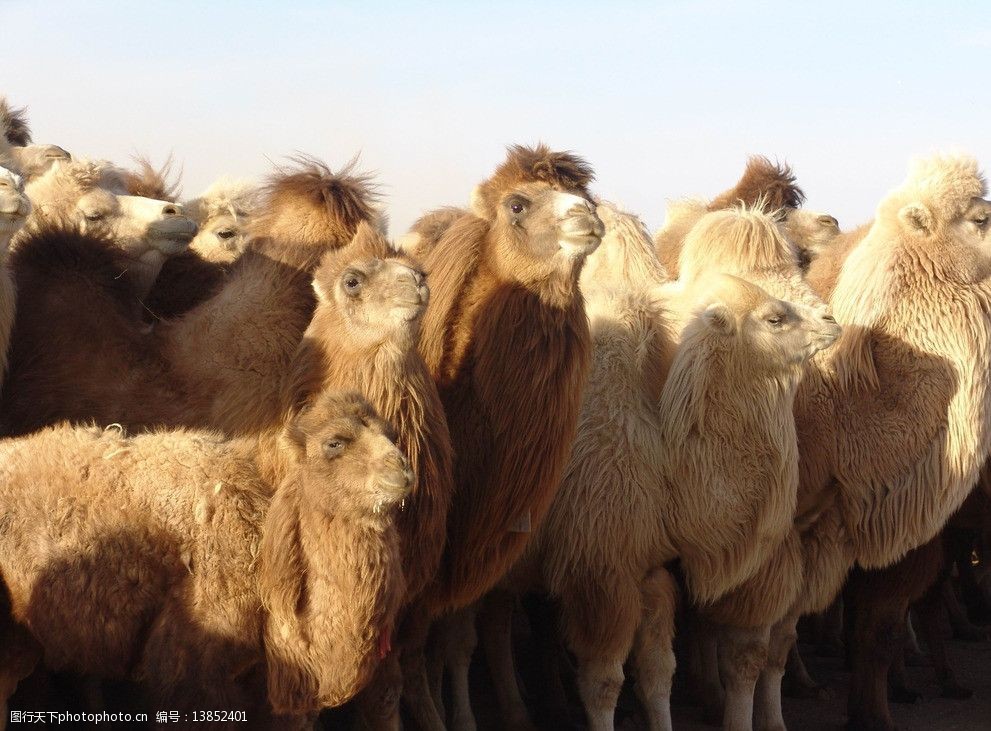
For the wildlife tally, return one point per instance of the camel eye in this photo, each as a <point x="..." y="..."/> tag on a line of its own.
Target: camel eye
<point x="518" y="206"/>
<point x="352" y="284"/>
<point x="333" y="447"/>
<point x="94" y="216"/>
<point x="981" y="222"/>
<point x="774" y="320"/>
<point x="226" y="233"/>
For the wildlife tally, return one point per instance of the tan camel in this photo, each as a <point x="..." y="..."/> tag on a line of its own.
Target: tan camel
<point x="166" y="558"/>
<point x="17" y="153"/>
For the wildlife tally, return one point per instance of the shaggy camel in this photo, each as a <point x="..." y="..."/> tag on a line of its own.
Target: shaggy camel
<point x="896" y="444"/>
<point x="223" y="212"/>
<point x="93" y="196"/>
<point x="748" y="244"/>
<point x="505" y="328"/>
<point x="749" y="492"/>
<point x="767" y="186"/>
<point x="212" y="582"/>
<point x="14" y="210"/>
<point x="364" y="336"/>
<point x="16" y="151"/>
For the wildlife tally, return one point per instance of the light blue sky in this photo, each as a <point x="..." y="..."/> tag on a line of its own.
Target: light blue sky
<point x="664" y="99"/>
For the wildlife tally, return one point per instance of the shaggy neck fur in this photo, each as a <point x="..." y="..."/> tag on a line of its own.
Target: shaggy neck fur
<point x="712" y="398"/>
<point x="511" y="364"/>
<point x="329" y="581"/>
<point x="391" y="374"/>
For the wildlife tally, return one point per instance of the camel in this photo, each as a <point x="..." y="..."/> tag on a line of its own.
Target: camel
<point x="604" y="609"/>
<point x="826" y="266"/>
<point x="748" y="244"/>
<point x="92" y="195"/>
<point x="222" y="212"/>
<point x="211" y="582"/>
<point x="364" y="336"/>
<point x="765" y="185"/>
<point x="506" y="326"/>
<point x="14" y="210"/>
<point x="16" y="151"/>
<point x="147" y="181"/>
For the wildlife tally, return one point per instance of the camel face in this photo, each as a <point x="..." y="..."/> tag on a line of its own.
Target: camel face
<point x="809" y="231"/>
<point x="547" y="225"/>
<point x="769" y="333"/>
<point x="348" y="446"/>
<point x="972" y="227"/>
<point x="220" y="239"/>
<point x="14" y="206"/>
<point x="35" y="160"/>
<point x="376" y="297"/>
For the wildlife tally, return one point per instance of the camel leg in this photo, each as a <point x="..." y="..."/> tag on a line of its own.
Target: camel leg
<point x="599" y="623"/>
<point x="963" y="628"/>
<point x="653" y="651"/>
<point x="830" y="630"/>
<point x="378" y="703"/>
<point x="783" y="635"/>
<point x="458" y="646"/>
<point x="495" y="625"/>
<point x="553" y="699"/>
<point x="742" y="656"/>
<point x="709" y="684"/>
<point x="19" y="655"/>
<point x="931" y="608"/>
<point x="417" y="695"/>
<point x="798" y="683"/>
<point x="435" y="658"/>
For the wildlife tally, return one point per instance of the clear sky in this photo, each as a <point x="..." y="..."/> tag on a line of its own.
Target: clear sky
<point x="664" y="99"/>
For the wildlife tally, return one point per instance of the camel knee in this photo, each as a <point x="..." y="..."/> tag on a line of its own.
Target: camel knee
<point x="599" y="683"/>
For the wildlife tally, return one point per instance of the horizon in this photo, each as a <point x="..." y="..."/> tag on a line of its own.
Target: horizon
<point x="664" y="102"/>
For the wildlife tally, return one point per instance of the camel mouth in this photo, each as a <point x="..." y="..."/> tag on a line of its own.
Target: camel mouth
<point x="579" y="246"/>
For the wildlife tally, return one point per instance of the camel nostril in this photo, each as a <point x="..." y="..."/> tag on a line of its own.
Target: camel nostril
<point x="829" y="318"/>
<point x="57" y="153"/>
<point x="829" y="221"/>
<point x="171" y="210"/>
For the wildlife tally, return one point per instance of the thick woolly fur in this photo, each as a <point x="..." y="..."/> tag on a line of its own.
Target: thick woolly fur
<point x="506" y="337"/>
<point x="148" y="181"/>
<point x="166" y="558"/>
<point x="363" y="337"/>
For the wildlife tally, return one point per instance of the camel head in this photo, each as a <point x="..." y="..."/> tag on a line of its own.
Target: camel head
<point x="349" y="458"/>
<point x="14" y="206"/>
<point x="810" y="232"/>
<point x="16" y="151"/>
<point x="942" y="210"/>
<point x="92" y="197"/>
<point x="223" y="213"/>
<point x="765" y="185"/>
<point x="765" y="333"/>
<point x="737" y="240"/>
<point x="539" y="209"/>
<point x="373" y="292"/>
<point x="308" y="206"/>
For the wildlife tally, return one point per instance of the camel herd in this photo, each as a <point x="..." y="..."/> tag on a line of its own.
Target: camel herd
<point x="256" y="456"/>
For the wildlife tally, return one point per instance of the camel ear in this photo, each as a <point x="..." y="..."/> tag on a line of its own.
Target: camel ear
<point x="477" y="203"/>
<point x="718" y="317"/>
<point x="917" y="217"/>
